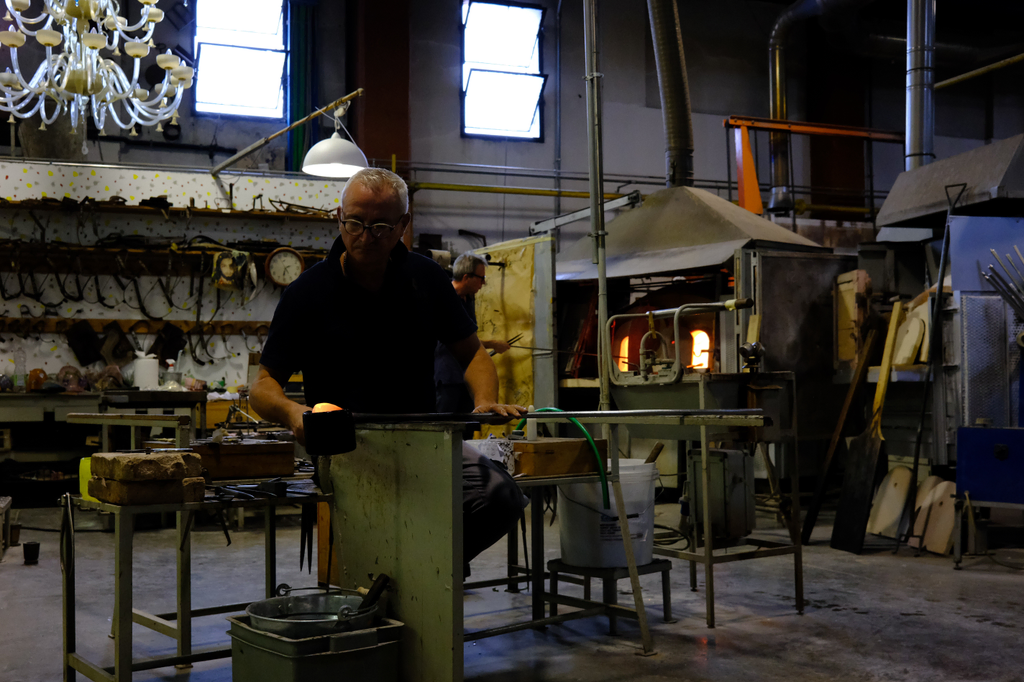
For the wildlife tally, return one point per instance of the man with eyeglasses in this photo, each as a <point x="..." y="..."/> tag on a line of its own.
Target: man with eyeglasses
<point x="362" y="327"/>
<point x="468" y="277"/>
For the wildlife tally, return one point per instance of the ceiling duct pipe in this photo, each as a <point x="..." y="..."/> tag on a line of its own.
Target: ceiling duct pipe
<point x="920" y="125"/>
<point x="675" y="91"/>
<point x="781" y="201"/>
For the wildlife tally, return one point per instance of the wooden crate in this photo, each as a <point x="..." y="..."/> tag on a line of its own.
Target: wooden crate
<point x="557" y="456"/>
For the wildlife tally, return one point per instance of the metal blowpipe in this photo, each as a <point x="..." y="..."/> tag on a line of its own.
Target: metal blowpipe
<point x="1009" y="288"/>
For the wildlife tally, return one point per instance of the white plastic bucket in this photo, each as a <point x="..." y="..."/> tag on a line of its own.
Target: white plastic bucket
<point x="590" y="535"/>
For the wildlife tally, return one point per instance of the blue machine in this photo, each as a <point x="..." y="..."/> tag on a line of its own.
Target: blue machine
<point x="990" y="464"/>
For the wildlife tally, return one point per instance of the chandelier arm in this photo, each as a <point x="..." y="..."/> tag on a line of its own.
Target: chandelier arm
<point x="161" y="113"/>
<point x="142" y="22"/>
<point x="22" y="21"/>
<point x="112" y="110"/>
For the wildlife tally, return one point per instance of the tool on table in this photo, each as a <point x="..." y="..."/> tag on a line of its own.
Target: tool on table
<point x="862" y="463"/>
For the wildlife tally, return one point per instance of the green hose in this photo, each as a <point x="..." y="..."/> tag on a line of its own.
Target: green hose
<point x="593" y="446"/>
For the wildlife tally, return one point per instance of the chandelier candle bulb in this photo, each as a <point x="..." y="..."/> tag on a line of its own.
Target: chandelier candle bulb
<point x="20" y="5"/>
<point x="155" y="15"/>
<point x="48" y="38"/>
<point x="12" y="38"/>
<point x="183" y="73"/>
<point x="167" y="61"/>
<point x="94" y="41"/>
<point x="141" y="94"/>
<point x="136" y="50"/>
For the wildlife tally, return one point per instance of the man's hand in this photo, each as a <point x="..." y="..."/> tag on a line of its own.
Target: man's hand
<point x="510" y="411"/>
<point x="269" y="401"/>
<point x="295" y="423"/>
<point x="498" y="347"/>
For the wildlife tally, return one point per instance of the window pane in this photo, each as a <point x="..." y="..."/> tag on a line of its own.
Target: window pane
<point x="503" y="104"/>
<point x="241" y="81"/>
<point x="246" y="23"/>
<point x="501" y="38"/>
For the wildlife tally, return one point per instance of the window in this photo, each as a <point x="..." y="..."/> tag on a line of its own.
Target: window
<point x="501" y="79"/>
<point x="240" y="62"/>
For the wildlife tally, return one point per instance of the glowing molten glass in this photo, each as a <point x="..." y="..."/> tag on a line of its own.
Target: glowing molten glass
<point x="624" y="354"/>
<point x="701" y="348"/>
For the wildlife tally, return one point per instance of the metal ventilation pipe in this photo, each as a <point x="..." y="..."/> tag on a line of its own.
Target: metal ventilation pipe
<point x="781" y="201"/>
<point x="675" y="91"/>
<point x="920" y="124"/>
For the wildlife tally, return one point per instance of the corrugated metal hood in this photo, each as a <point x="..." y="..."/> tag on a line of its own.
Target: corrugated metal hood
<point x="679" y="228"/>
<point x="994" y="175"/>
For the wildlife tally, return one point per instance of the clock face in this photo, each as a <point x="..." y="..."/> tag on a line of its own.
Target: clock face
<point x="284" y="266"/>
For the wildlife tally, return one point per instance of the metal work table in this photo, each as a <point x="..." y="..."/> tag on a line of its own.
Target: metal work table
<point x="177" y="625"/>
<point x="140" y="400"/>
<point x="398" y="510"/>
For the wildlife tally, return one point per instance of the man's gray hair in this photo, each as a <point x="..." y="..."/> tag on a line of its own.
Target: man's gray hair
<point x="466" y="264"/>
<point x="378" y="180"/>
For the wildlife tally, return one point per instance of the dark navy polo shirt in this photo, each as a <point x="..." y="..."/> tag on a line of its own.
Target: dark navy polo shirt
<point x="367" y="351"/>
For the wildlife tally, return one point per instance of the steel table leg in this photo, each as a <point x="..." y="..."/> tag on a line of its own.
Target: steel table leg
<point x="68" y="591"/>
<point x="666" y="596"/>
<point x="270" y="544"/>
<point x="123" y="530"/>
<point x="513" y="557"/>
<point x="184" y="569"/>
<point x="537" y="549"/>
<point x="794" y="528"/>
<point x="610" y="595"/>
<point x="554" y="592"/>
<point x="709" y="567"/>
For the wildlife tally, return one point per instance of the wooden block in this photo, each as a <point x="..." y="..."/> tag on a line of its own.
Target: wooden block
<point x="247" y="459"/>
<point x="155" y="466"/>
<point x="147" y="492"/>
<point x="556" y="456"/>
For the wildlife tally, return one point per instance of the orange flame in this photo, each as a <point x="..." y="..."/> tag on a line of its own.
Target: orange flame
<point x="624" y="354"/>
<point x="701" y="346"/>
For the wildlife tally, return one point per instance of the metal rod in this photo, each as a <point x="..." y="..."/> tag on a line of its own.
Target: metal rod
<point x="534" y="623"/>
<point x="266" y="140"/>
<point x="979" y="72"/>
<point x="1013" y="280"/>
<point x="496" y="189"/>
<point x="594" y="153"/>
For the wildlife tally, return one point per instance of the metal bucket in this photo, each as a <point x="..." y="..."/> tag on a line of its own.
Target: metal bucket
<point x="311" y="615"/>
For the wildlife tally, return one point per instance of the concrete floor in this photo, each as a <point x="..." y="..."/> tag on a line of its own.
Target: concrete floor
<point x="870" y="617"/>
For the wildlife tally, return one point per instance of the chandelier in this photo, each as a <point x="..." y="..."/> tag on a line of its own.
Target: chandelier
<point x="75" y="77"/>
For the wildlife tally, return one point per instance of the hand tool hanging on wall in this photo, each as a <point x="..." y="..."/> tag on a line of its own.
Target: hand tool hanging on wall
<point x="935" y="360"/>
<point x="859" y="372"/>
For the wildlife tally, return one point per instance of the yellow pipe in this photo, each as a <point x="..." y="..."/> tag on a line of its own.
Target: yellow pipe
<point x="978" y="72"/>
<point x="494" y="189"/>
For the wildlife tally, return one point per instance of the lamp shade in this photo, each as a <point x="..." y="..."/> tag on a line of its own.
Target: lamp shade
<point x="334" y="157"/>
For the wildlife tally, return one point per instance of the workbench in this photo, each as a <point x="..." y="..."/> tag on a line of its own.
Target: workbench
<point x="176" y="625"/>
<point x="398" y="510"/>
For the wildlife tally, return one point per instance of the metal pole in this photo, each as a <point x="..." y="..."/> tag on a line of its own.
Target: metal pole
<point x="920" y="121"/>
<point x="266" y="140"/>
<point x="596" y="191"/>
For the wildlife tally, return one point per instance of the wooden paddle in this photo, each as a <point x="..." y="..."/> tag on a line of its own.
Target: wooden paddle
<point x="862" y="459"/>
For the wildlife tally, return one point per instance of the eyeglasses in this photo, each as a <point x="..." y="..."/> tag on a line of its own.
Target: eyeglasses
<point x="356" y="227"/>
<point x="483" y="278"/>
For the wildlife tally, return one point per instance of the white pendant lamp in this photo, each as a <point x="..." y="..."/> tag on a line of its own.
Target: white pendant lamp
<point x="334" y="157"/>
